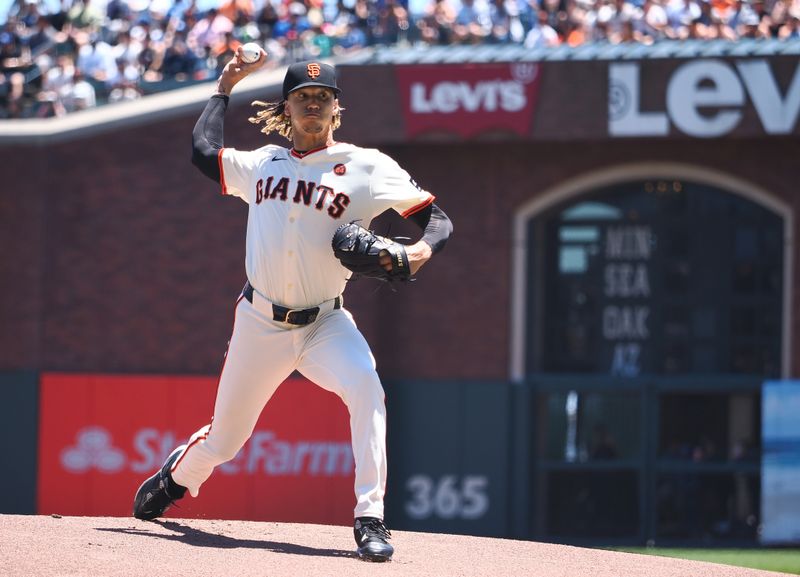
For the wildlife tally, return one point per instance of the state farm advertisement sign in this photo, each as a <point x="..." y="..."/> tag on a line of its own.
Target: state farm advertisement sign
<point x="468" y="99"/>
<point x="102" y="435"/>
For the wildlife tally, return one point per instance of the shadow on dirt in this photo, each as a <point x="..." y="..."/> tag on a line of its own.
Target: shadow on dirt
<point x="191" y="536"/>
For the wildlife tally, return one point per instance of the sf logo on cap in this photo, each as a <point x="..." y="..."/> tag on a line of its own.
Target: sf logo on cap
<point x="313" y="70"/>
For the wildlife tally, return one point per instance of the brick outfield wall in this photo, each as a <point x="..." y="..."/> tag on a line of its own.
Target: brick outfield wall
<point x="116" y="255"/>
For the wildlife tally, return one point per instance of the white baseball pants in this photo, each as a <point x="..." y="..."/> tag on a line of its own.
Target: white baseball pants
<point x="262" y="353"/>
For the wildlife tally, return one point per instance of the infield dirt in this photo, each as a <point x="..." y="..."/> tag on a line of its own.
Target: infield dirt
<point x="50" y="546"/>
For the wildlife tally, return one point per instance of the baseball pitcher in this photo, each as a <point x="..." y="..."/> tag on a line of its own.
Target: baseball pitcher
<point x="304" y="241"/>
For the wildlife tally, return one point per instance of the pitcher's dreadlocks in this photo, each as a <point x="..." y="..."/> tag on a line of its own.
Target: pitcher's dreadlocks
<point x="274" y="118"/>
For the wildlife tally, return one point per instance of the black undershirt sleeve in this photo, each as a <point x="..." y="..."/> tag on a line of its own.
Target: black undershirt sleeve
<point x="436" y="225"/>
<point x="207" y="137"/>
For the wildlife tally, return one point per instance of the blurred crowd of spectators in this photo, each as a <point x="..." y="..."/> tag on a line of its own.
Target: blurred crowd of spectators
<point x="58" y="56"/>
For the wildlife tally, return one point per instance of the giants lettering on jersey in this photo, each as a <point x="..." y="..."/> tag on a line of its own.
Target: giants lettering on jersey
<point x="307" y="193"/>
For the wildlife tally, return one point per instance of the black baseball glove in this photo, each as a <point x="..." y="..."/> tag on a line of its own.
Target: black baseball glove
<point x="360" y="251"/>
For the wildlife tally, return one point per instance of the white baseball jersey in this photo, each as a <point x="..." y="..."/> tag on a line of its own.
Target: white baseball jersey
<point x="296" y="203"/>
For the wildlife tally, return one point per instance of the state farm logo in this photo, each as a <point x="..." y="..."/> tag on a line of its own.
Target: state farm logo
<point x="468" y="99"/>
<point x="264" y="453"/>
<point x="92" y="450"/>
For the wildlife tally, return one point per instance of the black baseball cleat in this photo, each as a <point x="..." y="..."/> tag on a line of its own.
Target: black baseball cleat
<point x="371" y="535"/>
<point x="158" y="492"/>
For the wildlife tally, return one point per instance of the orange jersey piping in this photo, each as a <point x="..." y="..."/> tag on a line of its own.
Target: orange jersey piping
<point x="221" y="172"/>
<point x="418" y="207"/>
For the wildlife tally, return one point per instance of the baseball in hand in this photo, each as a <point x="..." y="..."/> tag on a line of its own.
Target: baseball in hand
<point x="250" y="53"/>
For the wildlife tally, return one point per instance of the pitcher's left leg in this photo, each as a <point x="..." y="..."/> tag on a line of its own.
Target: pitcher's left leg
<point x="337" y="358"/>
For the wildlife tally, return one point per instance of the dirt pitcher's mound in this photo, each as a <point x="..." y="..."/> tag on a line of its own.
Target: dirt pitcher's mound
<point x="111" y="546"/>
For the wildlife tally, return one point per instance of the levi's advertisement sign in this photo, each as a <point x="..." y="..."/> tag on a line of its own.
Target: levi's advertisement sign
<point x="467" y="100"/>
<point x="704" y="98"/>
<point x="102" y="435"/>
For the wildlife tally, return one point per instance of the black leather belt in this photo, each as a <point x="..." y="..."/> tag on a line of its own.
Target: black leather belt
<point x="287" y="315"/>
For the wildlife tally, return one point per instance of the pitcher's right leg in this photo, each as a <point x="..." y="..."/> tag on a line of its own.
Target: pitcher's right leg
<point x="260" y="356"/>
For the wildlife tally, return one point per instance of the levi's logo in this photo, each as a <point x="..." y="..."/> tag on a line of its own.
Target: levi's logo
<point x="469" y="99"/>
<point x="486" y="96"/>
<point x="313" y="70"/>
